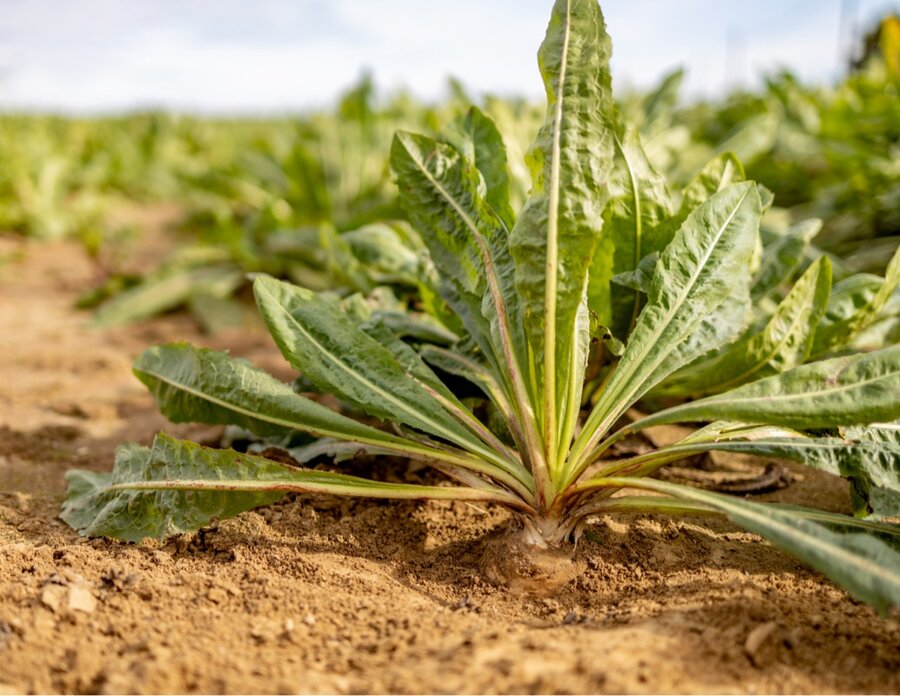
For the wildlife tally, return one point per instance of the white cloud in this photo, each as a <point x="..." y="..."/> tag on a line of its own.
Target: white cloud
<point x="277" y="54"/>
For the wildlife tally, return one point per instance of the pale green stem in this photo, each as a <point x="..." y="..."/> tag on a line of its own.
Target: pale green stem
<point x="398" y="492"/>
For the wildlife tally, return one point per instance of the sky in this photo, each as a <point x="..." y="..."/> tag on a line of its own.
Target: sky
<point x="264" y="56"/>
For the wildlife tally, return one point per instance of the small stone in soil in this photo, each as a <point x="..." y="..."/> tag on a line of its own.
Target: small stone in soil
<point x="464" y="603"/>
<point x="81" y="599"/>
<point x="52" y="597"/>
<point x="571" y="618"/>
<point x="217" y="595"/>
<point x="764" y="644"/>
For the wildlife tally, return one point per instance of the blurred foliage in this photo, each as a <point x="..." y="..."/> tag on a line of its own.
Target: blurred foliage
<point x="311" y="198"/>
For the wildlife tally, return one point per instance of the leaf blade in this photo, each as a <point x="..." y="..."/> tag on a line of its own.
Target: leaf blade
<point x="694" y="275"/>
<point x="177" y="486"/>
<point x="851" y="390"/>
<point x="784" y="342"/>
<point x="554" y="237"/>
<point x="867" y="568"/>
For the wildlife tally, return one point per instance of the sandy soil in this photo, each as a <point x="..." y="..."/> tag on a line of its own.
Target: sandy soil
<point x="325" y="595"/>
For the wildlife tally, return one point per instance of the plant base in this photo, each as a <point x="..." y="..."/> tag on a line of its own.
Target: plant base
<point x="521" y="559"/>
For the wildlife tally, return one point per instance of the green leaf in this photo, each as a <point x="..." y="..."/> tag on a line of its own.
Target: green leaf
<point x="854" y="305"/>
<point x="554" y="238"/>
<point x="782" y="256"/>
<point x="476" y="136"/>
<point x="640" y="202"/>
<point x="178" y="486"/>
<point x="873" y="469"/>
<point x="851" y="390"/>
<point x="878" y="490"/>
<point x="889" y="533"/>
<point x="752" y="138"/>
<point x="695" y="274"/>
<point x="416" y="326"/>
<point x="867" y="568"/>
<point x="887" y="433"/>
<point x="416" y="368"/>
<point x="318" y="339"/>
<point x="719" y="173"/>
<point x="641" y="278"/>
<point x="216" y="314"/>
<point x="455" y="363"/>
<point x="203" y="386"/>
<point x="783" y="343"/>
<point x="196" y="385"/>
<point x="871" y="466"/>
<point x="384" y="256"/>
<point x="440" y="191"/>
<point x="406" y="356"/>
<point x="167" y="290"/>
<point x="94" y="508"/>
<point x="659" y="104"/>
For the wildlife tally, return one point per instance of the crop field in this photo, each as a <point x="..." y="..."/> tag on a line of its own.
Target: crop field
<point x="479" y="395"/>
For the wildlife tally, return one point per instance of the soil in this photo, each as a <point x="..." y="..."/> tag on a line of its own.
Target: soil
<point x="327" y="595"/>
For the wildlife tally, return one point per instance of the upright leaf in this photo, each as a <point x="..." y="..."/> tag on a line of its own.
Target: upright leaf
<point x="719" y="173"/>
<point x="554" y="238"/>
<point x="784" y="342"/>
<point x="476" y="136"/>
<point x="694" y="276"/>
<point x="443" y="195"/>
<point x="782" y="256"/>
<point x="855" y="305"/>
<point x="640" y="202"/>
<point x="440" y="191"/>
<point x="659" y="104"/>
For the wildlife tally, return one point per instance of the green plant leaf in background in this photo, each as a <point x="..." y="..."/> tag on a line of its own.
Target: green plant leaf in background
<point x="854" y="305"/>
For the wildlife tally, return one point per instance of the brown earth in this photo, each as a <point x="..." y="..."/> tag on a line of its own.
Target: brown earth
<point x="325" y="595"/>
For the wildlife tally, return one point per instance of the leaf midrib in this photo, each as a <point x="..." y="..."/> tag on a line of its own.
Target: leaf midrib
<point x="357" y="487"/>
<point x="638" y="361"/>
<point x="364" y="381"/>
<point x="551" y="268"/>
<point x="798" y="535"/>
<point x="383" y="440"/>
<point x="761" y="363"/>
